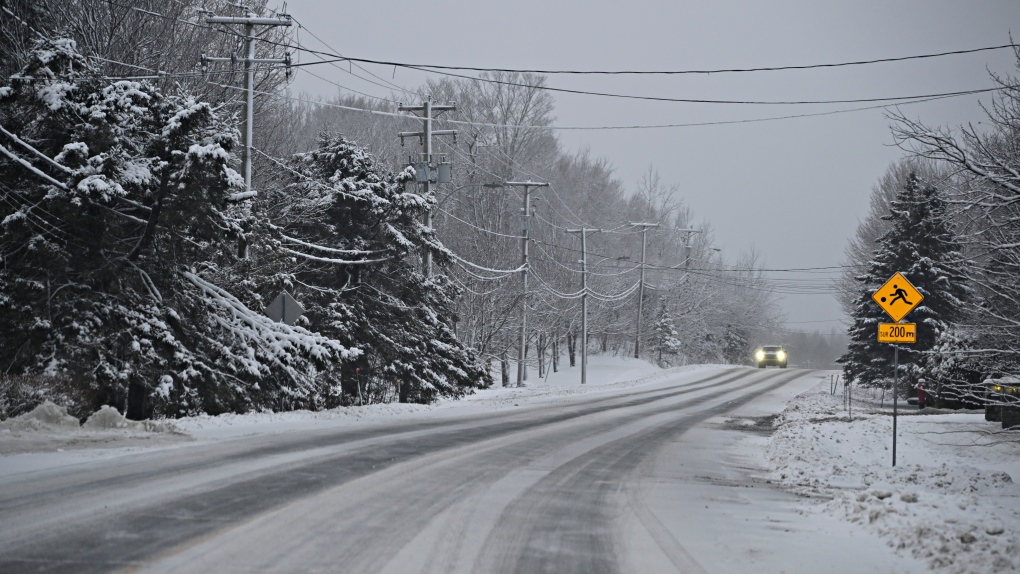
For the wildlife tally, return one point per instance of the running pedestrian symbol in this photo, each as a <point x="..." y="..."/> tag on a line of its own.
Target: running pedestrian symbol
<point x="897" y="297"/>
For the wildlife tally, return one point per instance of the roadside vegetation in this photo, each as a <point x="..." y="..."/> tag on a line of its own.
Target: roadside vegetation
<point x="137" y="266"/>
<point x="948" y="216"/>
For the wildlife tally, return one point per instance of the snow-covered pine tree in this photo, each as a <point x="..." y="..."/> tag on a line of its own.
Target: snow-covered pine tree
<point x="665" y="338"/>
<point x="354" y="238"/>
<point x="119" y="226"/>
<point x="736" y="349"/>
<point x="922" y="244"/>
<point x="984" y="157"/>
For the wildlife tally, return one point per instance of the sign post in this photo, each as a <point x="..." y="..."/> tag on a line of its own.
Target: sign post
<point x="897" y="297"/>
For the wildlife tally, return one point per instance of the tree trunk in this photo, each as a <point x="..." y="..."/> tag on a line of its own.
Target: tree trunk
<point x="504" y="369"/>
<point x="556" y="354"/>
<point x="135" y="401"/>
<point x="572" y="348"/>
<point x="524" y="365"/>
<point x="540" y="347"/>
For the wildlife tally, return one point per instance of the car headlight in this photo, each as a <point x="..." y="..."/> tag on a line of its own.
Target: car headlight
<point x="781" y="355"/>
<point x="760" y="355"/>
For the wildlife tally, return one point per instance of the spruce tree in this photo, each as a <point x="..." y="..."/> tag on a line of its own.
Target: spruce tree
<point x="119" y="222"/>
<point x="666" y="340"/>
<point x="922" y="244"/>
<point x="356" y="239"/>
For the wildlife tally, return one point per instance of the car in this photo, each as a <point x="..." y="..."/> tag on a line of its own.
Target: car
<point x="1002" y="401"/>
<point x="770" y="355"/>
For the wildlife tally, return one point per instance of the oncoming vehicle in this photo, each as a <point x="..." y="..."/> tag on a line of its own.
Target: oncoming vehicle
<point x="770" y="355"/>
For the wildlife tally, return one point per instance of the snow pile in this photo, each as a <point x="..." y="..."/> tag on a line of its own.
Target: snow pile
<point x="108" y="417"/>
<point x="948" y="500"/>
<point x="47" y="416"/>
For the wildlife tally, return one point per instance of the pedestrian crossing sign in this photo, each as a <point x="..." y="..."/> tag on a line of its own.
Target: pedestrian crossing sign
<point x="897" y="297"/>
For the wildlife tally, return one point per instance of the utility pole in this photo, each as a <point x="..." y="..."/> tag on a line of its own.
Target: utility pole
<point x="687" y="244"/>
<point x="427" y="109"/>
<point x="250" y="21"/>
<point x="525" y="226"/>
<point x="584" y="300"/>
<point x="641" y="286"/>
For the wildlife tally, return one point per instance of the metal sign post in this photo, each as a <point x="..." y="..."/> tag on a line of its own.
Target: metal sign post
<point x="897" y="297"/>
<point x="895" y="398"/>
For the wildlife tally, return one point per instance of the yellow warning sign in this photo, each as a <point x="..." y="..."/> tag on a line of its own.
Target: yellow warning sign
<point x="897" y="332"/>
<point x="897" y="297"/>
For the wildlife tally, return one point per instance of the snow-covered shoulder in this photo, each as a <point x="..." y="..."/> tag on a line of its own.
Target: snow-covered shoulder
<point x="951" y="499"/>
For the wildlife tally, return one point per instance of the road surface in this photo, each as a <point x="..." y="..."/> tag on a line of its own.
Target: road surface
<point x="619" y="481"/>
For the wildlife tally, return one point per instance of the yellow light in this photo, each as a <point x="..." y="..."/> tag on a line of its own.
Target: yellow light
<point x="760" y="355"/>
<point x="998" y="388"/>
<point x="781" y="355"/>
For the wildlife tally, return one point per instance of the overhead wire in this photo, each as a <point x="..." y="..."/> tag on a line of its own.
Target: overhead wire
<point x="540" y="86"/>
<point x="489" y="231"/>
<point x="904" y="100"/>
<point x="693" y="71"/>
<point x="569" y="128"/>
<point x="323" y="42"/>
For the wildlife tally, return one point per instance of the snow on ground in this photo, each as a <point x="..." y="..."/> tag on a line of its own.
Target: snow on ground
<point x="605" y="373"/>
<point x="48" y="438"/>
<point x="950" y="501"/>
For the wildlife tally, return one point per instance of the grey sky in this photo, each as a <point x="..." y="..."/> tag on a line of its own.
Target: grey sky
<point x="793" y="190"/>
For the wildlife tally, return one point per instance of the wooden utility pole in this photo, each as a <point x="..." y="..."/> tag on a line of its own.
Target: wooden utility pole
<point x="641" y="286"/>
<point x="584" y="299"/>
<point x="687" y="245"/>
<point x="427" y="109"/>
<point x="250" y="21"/>
<point x="525" y="227"/>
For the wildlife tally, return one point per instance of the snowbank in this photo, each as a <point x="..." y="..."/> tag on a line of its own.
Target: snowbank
<point x="46" y="416"/>
<point x="48" y="427"/>
<point x="949" y="501"/>
<point x="108" y="417"/>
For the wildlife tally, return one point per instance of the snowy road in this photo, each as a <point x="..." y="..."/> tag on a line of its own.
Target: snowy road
<point x="612" y="483"/>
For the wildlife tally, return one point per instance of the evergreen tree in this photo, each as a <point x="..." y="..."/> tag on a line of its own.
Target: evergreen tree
<point x="356" y="238"/>
<point x="921" y="244"/>
<point x="120" y="220"/>
<point x="666" y="340"/>
<point x="736" y="349"/>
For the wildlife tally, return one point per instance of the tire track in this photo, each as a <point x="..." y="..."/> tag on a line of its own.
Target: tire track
<point x="564" y="522"/>
<point x="112" y="538"/>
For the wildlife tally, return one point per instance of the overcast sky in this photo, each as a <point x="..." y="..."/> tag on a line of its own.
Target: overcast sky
<point x="793" y="190"/>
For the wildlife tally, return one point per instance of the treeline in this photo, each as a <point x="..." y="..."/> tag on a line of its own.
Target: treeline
<point x="948" y="216"/>
<point x="137" y="268"/>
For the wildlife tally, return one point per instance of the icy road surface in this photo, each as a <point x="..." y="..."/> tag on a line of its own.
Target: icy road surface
<point x="647" y="478"/>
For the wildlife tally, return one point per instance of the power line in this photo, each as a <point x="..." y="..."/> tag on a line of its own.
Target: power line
<point x="575" y="128"/>
<point x="890" y="99"/>
<point x="539" y="86"/>
<point x="323" y="42"/>
<point x="681" y="72"/>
